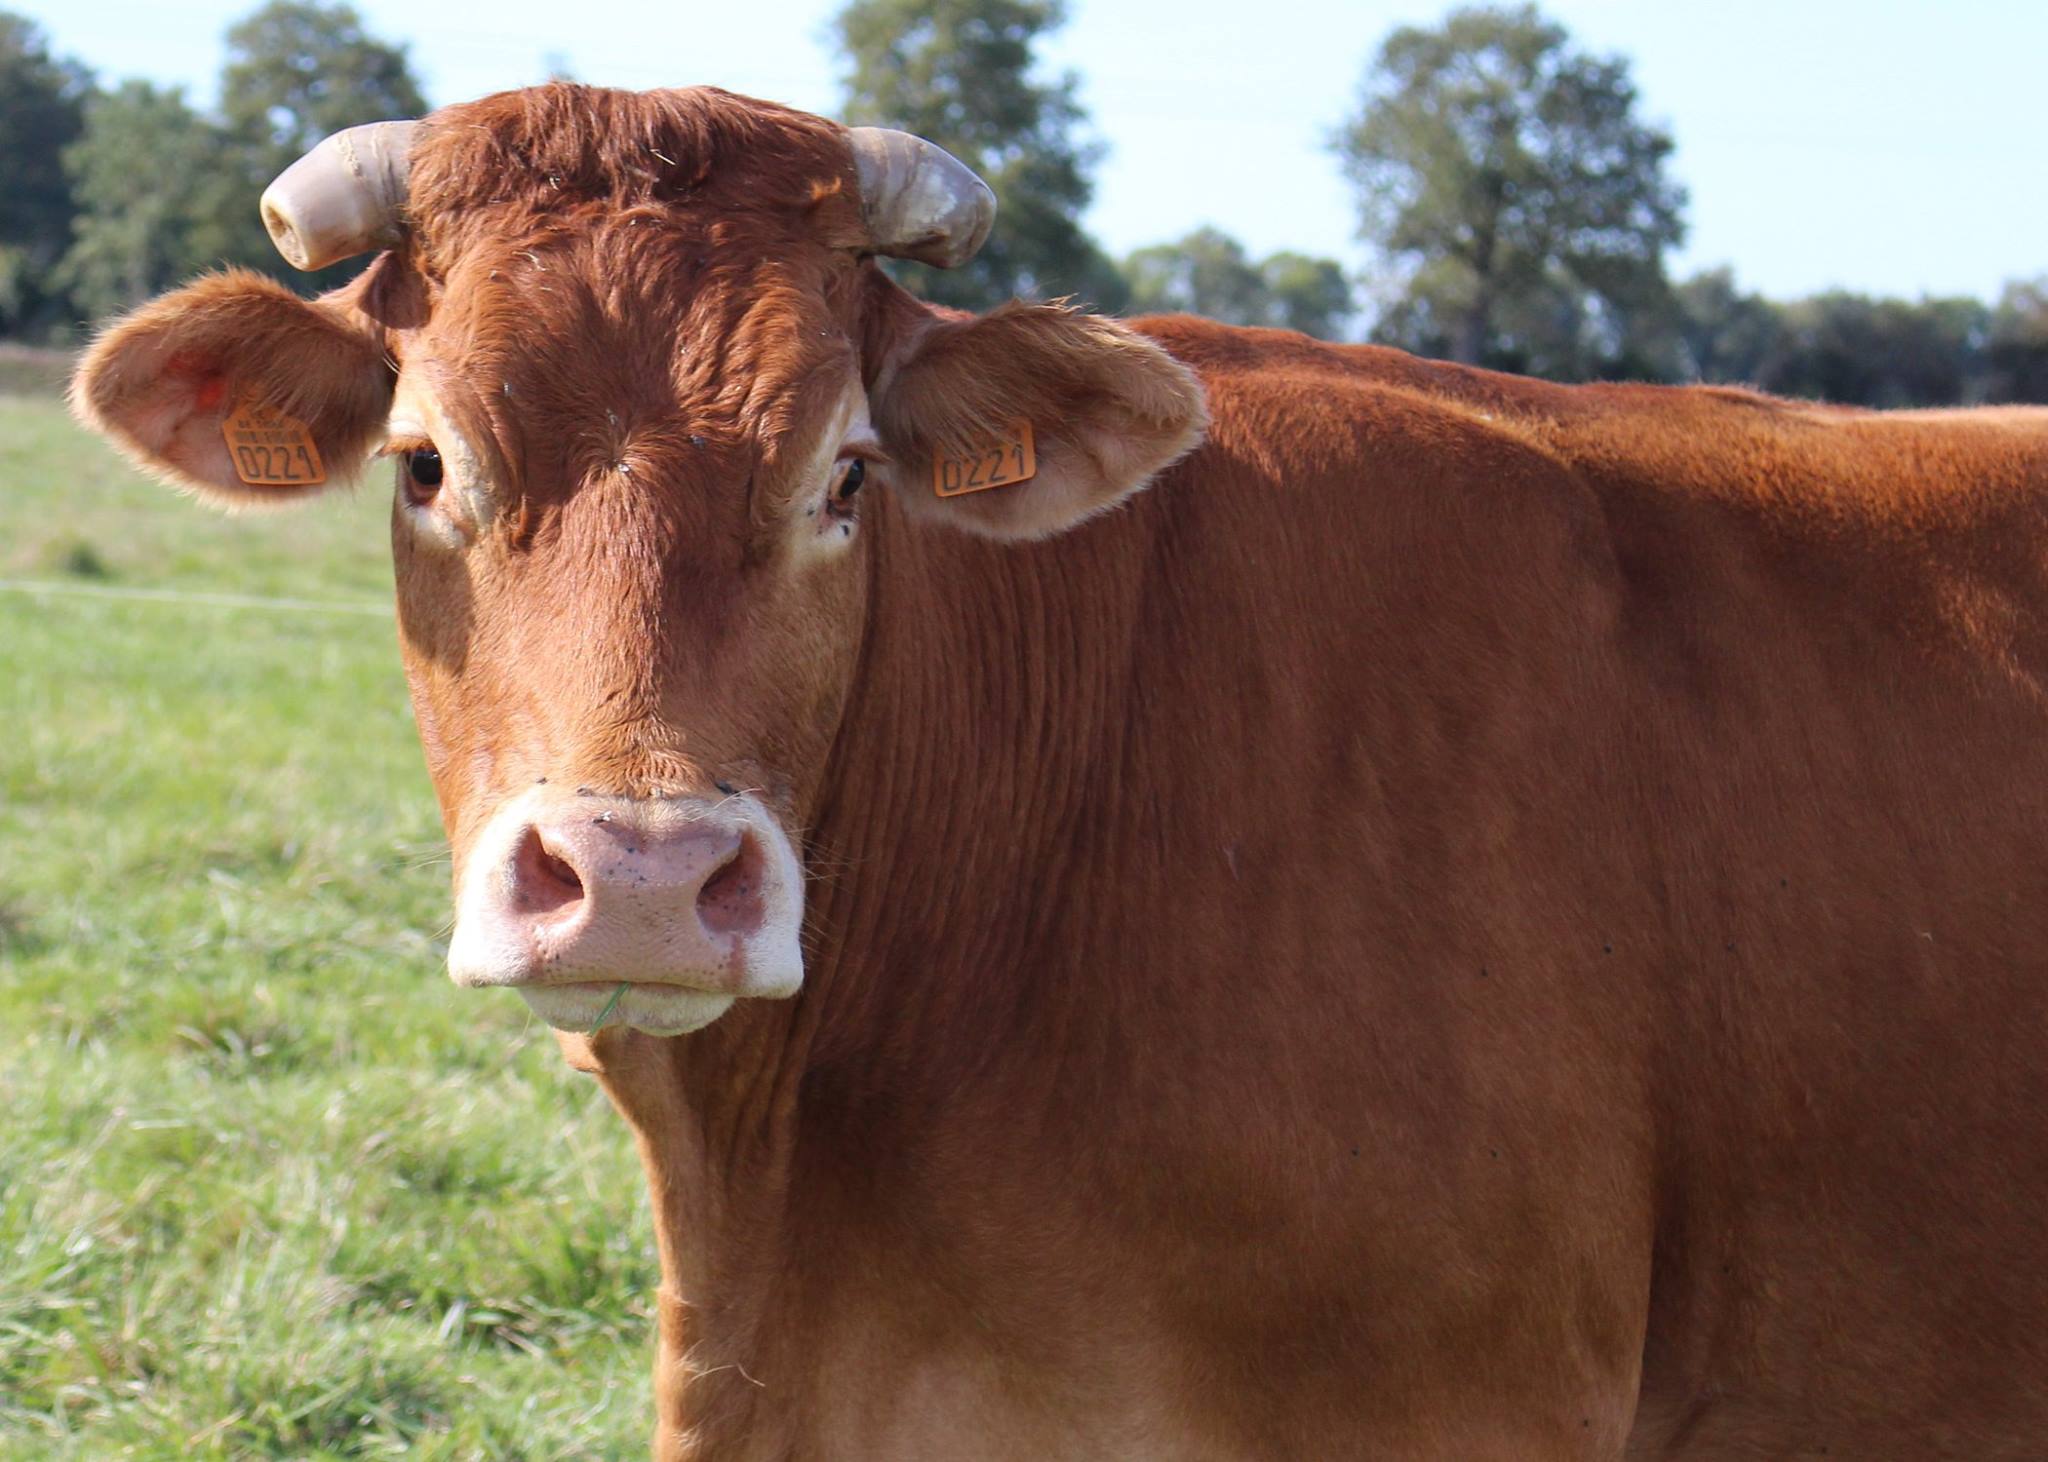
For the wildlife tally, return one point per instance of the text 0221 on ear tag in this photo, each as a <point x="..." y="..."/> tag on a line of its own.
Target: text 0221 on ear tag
<point x="270" y="449"/>
<point x="1013" y="458"/>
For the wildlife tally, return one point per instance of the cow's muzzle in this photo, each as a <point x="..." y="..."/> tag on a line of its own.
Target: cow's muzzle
<point x="653" y="913"/>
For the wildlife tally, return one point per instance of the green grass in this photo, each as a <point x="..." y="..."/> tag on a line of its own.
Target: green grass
<point x="269" y="1185"/>
<point x="32" y="369"/>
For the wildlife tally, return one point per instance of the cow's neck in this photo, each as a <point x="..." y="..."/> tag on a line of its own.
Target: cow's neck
<point x="983" y="715"/>
<point x="978" y="736"/>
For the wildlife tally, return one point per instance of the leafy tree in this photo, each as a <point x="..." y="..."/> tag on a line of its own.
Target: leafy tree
<point x="1209" y="273"/>
<point x="1206" y="273"/>
<point x="1725" y="334"/>
<point x="2017" y="351"/>
<point x="298" y="70"/>
<point x="1310" y="294"/>
<point x="41" y="113"/>
<point x="1507" y="177"/>
<point x="1858" y="350"/>
<point x="141" y="229"/>
<point x="960" y="73"/>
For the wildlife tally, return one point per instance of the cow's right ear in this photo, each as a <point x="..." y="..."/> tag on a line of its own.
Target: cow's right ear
<point x="239" y="391"/>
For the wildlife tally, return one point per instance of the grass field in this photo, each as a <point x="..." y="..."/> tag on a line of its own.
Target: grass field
<point x="269" y="1185"/>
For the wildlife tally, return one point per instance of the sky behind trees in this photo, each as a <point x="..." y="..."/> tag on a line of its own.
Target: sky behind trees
<point x="1888" y="146"/>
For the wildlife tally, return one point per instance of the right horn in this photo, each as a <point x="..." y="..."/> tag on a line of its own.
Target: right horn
<point x="344" y="198"/>
<point x="920" y="201"/>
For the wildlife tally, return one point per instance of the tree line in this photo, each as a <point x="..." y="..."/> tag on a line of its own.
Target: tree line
<point x="113" y="194"/>
<point x="1518" y="207"/>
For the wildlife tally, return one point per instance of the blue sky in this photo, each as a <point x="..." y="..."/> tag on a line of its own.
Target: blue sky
<point x="1885" y="146"/>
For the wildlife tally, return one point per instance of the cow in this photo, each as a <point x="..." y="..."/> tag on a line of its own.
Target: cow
<point x="1157" y="890"/>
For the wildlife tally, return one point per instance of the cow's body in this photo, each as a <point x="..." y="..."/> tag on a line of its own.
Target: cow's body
<point x="1473" y="919"/>
<point x="1470" y="919"/>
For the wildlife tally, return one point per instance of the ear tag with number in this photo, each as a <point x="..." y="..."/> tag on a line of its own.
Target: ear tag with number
<point x="270" y="449"/>
<point x="1010" y="459"/>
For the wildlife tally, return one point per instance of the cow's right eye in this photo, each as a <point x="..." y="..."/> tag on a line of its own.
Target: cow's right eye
<point x="422" y="474"/>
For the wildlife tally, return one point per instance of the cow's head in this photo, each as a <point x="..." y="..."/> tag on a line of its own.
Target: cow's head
<point x="642" y="381"/>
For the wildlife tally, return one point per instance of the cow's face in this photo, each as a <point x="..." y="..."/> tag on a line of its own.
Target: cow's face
<point x="641" y="386"/>
<point x="632" y="577"/>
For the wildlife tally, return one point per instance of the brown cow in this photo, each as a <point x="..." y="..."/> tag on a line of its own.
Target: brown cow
<point x="1472" y="919"/>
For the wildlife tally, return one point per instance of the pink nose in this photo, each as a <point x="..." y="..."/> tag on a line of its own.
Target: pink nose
<point x="668" y="892"/>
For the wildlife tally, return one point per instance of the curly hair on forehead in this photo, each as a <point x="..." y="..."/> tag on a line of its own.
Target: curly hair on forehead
<point x="550" y="148"/>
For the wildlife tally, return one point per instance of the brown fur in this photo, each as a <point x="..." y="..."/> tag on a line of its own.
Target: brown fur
<point x="1472" y="919"/>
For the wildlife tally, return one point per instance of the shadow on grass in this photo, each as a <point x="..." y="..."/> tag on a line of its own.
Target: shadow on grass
<point x="18" y="937"/>
<point x="80" y="560"/>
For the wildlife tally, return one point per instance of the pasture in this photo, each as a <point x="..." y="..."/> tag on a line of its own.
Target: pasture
<point x="269" y="1185"/>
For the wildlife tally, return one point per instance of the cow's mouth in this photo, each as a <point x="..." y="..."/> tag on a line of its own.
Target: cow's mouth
<point x="654" y="913"/>
<point x="656" y="1008"/>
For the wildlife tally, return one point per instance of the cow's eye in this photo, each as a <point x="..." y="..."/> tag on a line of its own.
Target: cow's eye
<point x="422" y="473"/>
<point x="852" y="474"/>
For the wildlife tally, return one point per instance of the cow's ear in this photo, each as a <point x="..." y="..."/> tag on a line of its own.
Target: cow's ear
<point x="1092" y="409"/>
<point x="237" y="390"/>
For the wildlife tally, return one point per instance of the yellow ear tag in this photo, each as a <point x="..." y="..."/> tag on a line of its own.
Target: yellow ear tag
<point x="1013" y="458"/>
<point x="271" y="449"/>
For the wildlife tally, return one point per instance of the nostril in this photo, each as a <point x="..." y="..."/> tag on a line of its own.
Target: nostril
<point x="559" y="871"/>
<point x="543" y="880"/>
<point x="730" y="901"/>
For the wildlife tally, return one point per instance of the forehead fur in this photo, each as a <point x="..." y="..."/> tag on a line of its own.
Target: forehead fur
<point x="658" y="279"/>
<point x="549" y="152"/>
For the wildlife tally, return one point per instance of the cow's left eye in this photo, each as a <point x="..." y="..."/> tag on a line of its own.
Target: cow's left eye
<point x="423" y="474"/>
<point x="852" y="473"/>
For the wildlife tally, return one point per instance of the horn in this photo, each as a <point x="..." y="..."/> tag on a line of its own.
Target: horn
<point x="920" y="201"/>
<point x="343" y="198"/>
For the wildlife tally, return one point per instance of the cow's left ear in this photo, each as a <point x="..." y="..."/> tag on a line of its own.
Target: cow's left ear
<point x="1092" y="409"/>
<point x="237" y="390"/>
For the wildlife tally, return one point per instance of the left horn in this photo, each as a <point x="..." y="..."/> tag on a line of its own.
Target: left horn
<point x="920" y="202"/>
<point x="344" y="198"/>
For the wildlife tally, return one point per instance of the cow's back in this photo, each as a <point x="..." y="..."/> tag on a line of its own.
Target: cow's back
<point x="1717" y="722"/>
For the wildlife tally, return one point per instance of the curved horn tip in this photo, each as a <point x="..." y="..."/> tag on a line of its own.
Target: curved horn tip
<point x="920" y="202"/>
<point x="344" y="197"/>
<point x="278" y="224"/>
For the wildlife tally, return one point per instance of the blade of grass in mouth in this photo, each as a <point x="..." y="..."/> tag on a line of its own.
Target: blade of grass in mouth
<point x="609" y="1006"/>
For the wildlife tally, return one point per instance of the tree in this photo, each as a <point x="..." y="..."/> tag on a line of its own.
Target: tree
<point x="141" y="229"/>
<point x="1506" y="175"/>
<point x="1206" y="273"/>
<point x="41" y="113"/>
<point x="959" y="73"/>
<point x="2017" y="352"/>
<point x="297" y="71"/>
<point x="1209" y="273"/>
<point x="1725" y="334"/>
<point x="1310" y="294"/>
<point x="1857" y="350"/>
